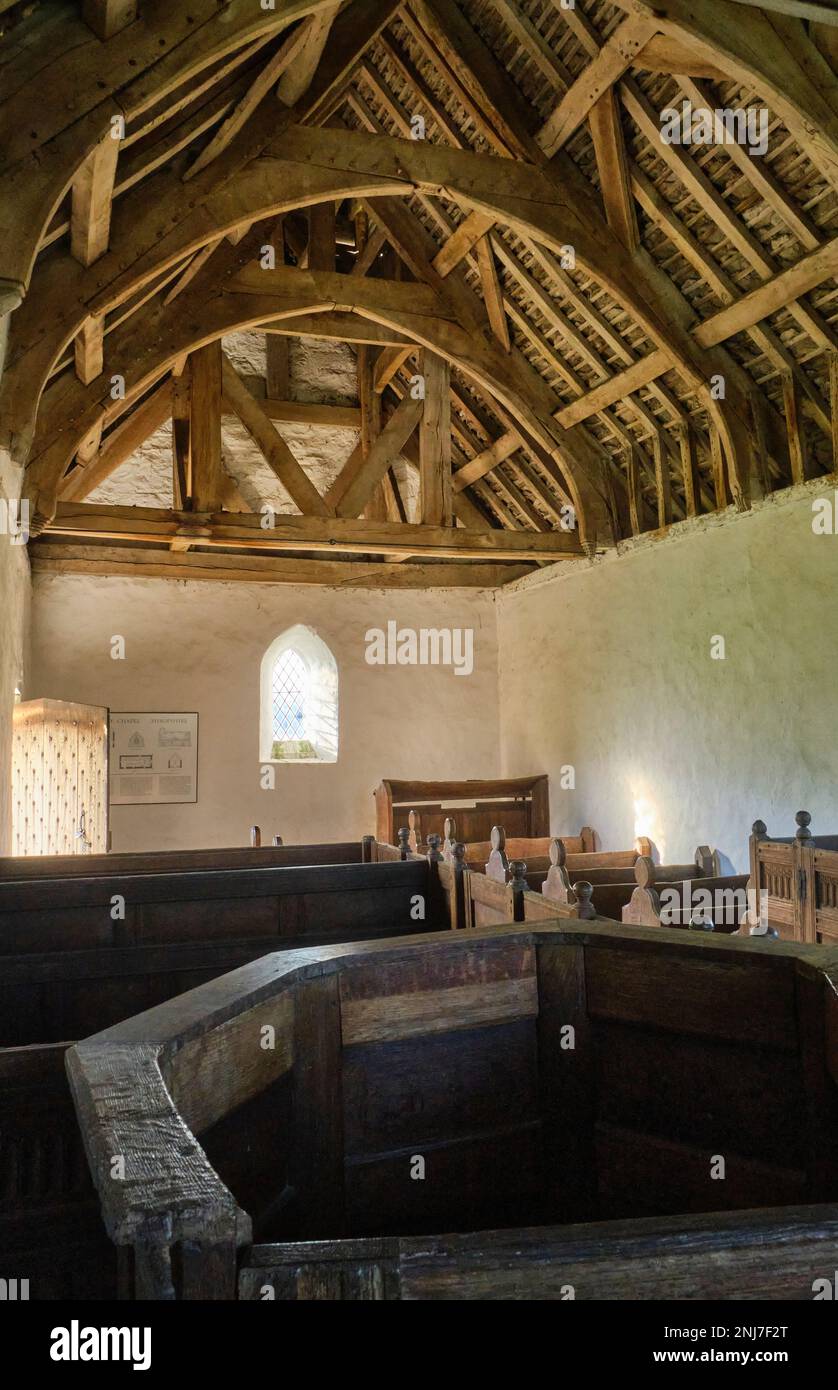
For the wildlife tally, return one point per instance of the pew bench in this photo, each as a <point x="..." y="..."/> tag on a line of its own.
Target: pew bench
<point x="278" y="855"/>
<point x="492" y="856"/>
<point x="78" y="954"/>
<point x="295" y="1172"/>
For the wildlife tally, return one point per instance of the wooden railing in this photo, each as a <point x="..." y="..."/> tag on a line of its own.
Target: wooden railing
<point x="795" y="882"/>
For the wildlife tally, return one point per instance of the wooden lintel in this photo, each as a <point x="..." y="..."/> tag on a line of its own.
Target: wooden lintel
<point x="290" y="532"/>
<point x="48" y="557"/>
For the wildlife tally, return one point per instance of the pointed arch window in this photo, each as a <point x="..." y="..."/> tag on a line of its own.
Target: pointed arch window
<point x="299" y="700"/>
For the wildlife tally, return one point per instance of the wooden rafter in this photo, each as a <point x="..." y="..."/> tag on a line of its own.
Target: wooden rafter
<point x="435" y="504"/>
<point x="124" y="440"/>
<point x="108" y="17"/>
<point x="378" y="458"/>
<point x="270" y="442"/>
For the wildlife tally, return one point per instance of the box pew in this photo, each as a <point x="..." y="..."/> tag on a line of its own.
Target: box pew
<point x="51" y="1230"/>
<point x="68" y="971"/>
<point x="287" y="1173"/>
<point x="277" y="855"/>
<point x="79" y="954"/>
<point x="795" y="882"/>
<point x="522" y="803"/>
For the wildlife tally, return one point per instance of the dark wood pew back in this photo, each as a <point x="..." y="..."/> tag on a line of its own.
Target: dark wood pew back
<point x="16" y="867"/>
<point x="68" y="968"/>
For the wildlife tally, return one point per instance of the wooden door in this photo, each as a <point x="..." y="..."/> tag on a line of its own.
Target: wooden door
<point x="59" y="778"/>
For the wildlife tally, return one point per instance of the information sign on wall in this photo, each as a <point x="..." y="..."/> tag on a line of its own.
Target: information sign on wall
<point x="153" y="758"/>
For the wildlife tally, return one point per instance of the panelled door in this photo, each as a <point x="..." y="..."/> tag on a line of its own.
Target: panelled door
<point x="59" y="778"/>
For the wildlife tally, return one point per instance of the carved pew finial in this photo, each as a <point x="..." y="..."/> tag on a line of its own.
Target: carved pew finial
<point x="701" y="923"/>
<point x="404" y="842"/>
<point x="434" y="853"/>
<point x="449" y="839"/>
<point x="760" y="830"/>
<point x="644" y="871"/>
<point x="584" y="892"/>
<point x="255" y="837"/>
<point x="517" y="875"/>
<point x="803" y="820"/>
<point x="556" y="885"/>
<point x="497" y="865"/>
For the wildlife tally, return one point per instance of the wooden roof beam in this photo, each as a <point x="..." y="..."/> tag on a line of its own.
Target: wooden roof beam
<point x="435" y="503"/>
<point x="244" y="108"/>
<point x="335" y="535"/>
<point x="108" y="17"/>
<point x="145" y="562"/>
<point x="270" y="443"/>
<point x="383" y="450"/>
<point x="617" y="54"/>
<point x="92" y="198"/>
<point x="128" y="436"/>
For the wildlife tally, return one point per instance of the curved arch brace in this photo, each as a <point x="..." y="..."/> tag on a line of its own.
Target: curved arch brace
<point x="327" y="164"/>
<point x="38" y="167"/>
<point x="70" y="410"/>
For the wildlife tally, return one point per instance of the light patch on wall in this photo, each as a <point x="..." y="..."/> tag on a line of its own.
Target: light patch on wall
<point x="647" y="823"/>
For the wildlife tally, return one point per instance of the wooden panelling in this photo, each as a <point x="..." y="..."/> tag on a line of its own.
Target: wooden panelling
<point x="566" y="1078"/>
<point x="751" y="1001"/>
<point x="349" y="1270"/>
<point x="212" y="1075"/>
<point x="317" y="1144"/>
<point x="720" y="1095"/>
<point x="473" y="1183"/>
<point x="751" y="1255"/>
<point x="642" y="1175"/>
<point x="452" y="989"/>
<point x="439" y="1088"/>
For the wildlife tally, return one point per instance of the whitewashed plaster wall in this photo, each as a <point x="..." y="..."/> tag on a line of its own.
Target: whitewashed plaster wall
<point x="198" y="646"/>
<point x="608" y="669"/>
<point x="14" y="616"/>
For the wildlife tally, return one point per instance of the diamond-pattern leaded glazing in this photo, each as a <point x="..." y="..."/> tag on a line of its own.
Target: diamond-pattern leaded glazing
<point x="288" y="693"/>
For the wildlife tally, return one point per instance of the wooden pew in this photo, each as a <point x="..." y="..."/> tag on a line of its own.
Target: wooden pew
<point x="49" y="1218"/>
<point x="277" y="855"/>
<point x="51" y="1227"/>
<point x="291" y="1167"/>
<point x="522" y="803"/>
<point x="795" y="883"/>
<point x="492" y="856"/>
<point x="660" y="901"/>
<point x="79" y="954"/>
<point x="613" y="885"/>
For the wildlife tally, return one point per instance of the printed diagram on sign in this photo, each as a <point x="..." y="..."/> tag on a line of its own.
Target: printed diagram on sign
<point x="154" y="759"/>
